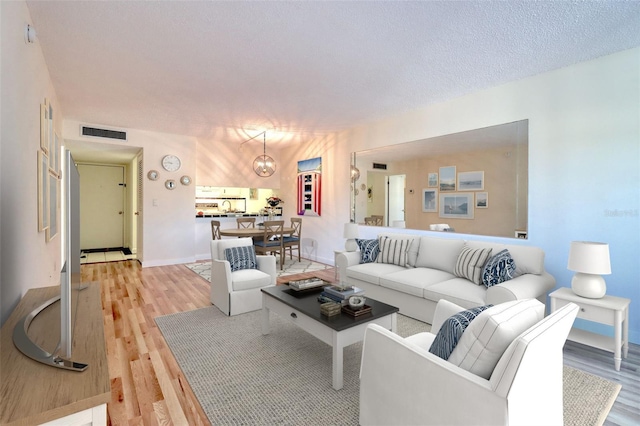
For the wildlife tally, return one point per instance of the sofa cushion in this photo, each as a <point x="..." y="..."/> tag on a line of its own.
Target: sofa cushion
<point x="488" y="336"/>
<point x="452" y="330"/>
<point x="498" y="269"/>
<point x="393" y="250"/>
<point x="369" y="250"/>
<point x="471" y="263"/>
<point x="413" y="280"/>
<point x="528" y="259"/>
<point x="439" y="253"/>
<point x="460" y="291"/>
<point x="414" y="246"/>
<point x="241" y="258"/>
<point x="371" y="272"/>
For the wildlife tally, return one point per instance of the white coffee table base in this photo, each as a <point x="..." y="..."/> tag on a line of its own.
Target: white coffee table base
<point x="338" y="340"/>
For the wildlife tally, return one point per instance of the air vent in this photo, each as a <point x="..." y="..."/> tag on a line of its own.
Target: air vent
<point x="379" y="166"/>
<point x="103" y="133"/>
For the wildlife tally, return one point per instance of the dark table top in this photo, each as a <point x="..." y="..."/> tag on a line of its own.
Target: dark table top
<point x="307" y="303"/>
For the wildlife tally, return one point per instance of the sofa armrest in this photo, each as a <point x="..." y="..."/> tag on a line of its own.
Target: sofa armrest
<point x="526" y="286"/>
<point x="401" y="383"/>
<point x="346" y="259"/>
<point x="267" y="264"/>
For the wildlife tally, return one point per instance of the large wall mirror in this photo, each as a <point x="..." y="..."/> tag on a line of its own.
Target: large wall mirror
<point x="473" y="182"/>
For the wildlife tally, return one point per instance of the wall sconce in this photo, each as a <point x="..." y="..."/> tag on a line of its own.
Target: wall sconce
<point x="350" y="233"/>
<point x="589" y="260"/>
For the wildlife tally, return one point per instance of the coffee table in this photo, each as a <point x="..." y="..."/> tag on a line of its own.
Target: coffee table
<point x="339" y="331"/>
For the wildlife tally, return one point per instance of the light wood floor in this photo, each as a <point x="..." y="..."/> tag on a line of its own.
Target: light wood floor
<point x="148" y="388"/>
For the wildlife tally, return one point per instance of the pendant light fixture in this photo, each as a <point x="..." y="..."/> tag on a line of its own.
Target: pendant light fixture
<point x="264" y="165"/>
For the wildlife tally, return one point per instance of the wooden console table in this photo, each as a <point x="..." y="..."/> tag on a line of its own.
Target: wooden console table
<point x="33" y="393"/>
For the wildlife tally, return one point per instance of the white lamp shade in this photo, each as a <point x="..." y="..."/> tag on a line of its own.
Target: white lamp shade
<point x="350" y="230"/>
<point x="589" y="257"/>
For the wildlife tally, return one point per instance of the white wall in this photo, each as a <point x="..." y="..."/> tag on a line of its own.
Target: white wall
<point x="27" y="261"/>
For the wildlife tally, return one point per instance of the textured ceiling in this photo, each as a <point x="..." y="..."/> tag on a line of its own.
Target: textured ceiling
<point x="225" y="70"/>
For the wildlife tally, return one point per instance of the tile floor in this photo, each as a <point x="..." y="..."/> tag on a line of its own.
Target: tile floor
<point x="107" y="256"/>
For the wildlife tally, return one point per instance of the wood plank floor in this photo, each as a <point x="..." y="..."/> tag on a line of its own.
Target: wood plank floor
<point x="148" y="388"/>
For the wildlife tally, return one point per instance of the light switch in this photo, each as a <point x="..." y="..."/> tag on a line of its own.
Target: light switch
<point x="155" y="202"/>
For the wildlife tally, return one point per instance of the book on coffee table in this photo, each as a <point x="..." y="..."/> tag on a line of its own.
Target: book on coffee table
<point x="343" y="292"/>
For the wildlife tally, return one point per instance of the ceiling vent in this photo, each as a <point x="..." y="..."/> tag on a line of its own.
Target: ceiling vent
<point x="379" y="166"/>
<point x="103" y="133"/>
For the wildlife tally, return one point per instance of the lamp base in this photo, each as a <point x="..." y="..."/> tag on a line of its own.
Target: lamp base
<point x="588" y="285"/>
<point x="350" y="245"/>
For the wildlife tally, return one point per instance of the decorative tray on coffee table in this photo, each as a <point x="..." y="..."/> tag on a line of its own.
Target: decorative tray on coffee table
<point x="366" y="309"/>
<point x="308" y="285"/>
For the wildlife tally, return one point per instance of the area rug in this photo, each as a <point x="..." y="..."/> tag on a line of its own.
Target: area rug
<point x="291" y="267"/>
<point x="242" y="377"/>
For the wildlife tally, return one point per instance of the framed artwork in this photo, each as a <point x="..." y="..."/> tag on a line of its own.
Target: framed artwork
<point x="470" y="181"/>
<point x="482" y="200"/>
<point x="43" y="189"/>
<point x="253" y="193"/>
<point x="50" y="138"/>
<point x="54" y="191"/>
<point x="448" y="178"/>
<point x="432" y="180"/>
<point x="429" y="200"/>
<point x="456" y="206"/>
<point x="44" y="127"/>
<point x="310" y="187"/>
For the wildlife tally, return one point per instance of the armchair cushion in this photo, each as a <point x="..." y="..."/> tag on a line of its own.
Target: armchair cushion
<point x="369" y="250"/>
<point x="247" y="279"/>
<point x="488" y="336"/>
<point x="241" y="258"/>
<point x="451" y="331"/>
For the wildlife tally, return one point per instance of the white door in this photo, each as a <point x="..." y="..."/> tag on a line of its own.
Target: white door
<point x="138" y="211"/>
<point x="395" y="199"/>
<point x="101" y="206"/>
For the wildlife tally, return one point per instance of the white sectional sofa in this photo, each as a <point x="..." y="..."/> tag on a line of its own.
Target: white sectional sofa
<point x="429" y="276"/>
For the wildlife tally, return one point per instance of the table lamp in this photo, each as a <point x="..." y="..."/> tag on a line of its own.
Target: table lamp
<point x="350" y="233"/>
<point x="589" y="260"/>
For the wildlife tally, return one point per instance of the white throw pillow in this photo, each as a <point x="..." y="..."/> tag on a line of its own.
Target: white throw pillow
<point x="490" y="333"/>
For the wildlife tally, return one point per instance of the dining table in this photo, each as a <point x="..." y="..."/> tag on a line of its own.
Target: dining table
<point x="250" y="232"/>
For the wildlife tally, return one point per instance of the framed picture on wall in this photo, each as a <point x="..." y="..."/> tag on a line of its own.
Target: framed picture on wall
<point x="456" y="206"/>
<point x="429" y="201"/>
<point x="470" y="181"/>
<point x="482" y="200"/>
<point x="432" y="181"/>
<point x="448" y="178"/>
<point x="44" y="127"/>
<point x="43" y="191"/>
<point x="54" y="189"/>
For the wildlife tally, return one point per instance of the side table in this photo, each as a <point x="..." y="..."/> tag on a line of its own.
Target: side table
<point x="609" y="310"/>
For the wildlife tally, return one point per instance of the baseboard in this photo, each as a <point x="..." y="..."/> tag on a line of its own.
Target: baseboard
<point x="166" y="262"/>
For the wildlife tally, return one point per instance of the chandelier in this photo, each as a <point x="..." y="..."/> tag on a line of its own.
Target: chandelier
<point x="264" y="165"/>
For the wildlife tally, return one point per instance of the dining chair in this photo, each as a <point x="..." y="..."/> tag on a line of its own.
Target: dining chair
<point x="292" y="241"/>
<point x="272" y="240"/>
<point x="378" y="219"/>
<point x="215" y="230"/>
<point x="369" y="221"/>
<point x="246" y="222"/>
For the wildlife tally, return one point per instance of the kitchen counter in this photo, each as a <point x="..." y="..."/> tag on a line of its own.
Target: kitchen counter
<point x="233" y="215"/>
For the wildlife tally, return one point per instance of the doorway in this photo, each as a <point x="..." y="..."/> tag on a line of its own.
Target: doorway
<point x="395" y="199"/>
<point x="102" y="206"/>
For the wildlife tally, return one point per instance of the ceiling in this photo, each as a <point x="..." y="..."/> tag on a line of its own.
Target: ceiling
<point x="224" y="71"/>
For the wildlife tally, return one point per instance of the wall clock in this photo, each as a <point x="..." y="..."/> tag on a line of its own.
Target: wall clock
<point x="153" y="175"/>
<point x="170" y="184"/>
<point x="171" y="163"/>
<point x="185" y="180"/>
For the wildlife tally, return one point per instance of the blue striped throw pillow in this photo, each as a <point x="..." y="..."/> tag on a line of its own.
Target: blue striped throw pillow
<point x="241" y="258"/>
<point x="451" y="331"/>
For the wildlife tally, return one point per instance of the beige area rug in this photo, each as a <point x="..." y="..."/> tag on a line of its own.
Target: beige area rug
<point x="242" y="377"/>
<point x="291" y="267"/>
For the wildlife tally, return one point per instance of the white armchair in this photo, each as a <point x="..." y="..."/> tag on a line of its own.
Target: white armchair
<point x="402" y="383"/>
<point x="239" y="291"/>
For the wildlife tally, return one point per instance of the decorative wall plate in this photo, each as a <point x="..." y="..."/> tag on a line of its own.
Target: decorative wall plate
<point x="185" y="180"/>
<point x="170" y="184"/>
<point x="153" y="175"/>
